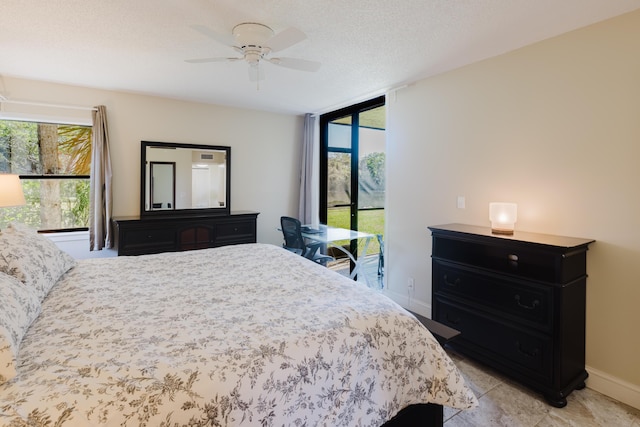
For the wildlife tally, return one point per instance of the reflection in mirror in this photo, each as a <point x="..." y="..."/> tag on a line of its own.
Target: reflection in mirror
<point x="184" y="178"/>
<point x="163" y="185"/>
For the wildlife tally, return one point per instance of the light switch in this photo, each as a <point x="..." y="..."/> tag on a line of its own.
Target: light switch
<point x="461" y="202"/>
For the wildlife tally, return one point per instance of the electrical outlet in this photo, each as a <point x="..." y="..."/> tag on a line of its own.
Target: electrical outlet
<point x="411" y="285"/>
<point x="461" y="202"/>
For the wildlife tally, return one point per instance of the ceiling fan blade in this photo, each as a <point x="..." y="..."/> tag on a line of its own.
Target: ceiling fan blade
<point x="226" y="39"/>
<point x="256" y="73"/>
<point x="204" y="60"/>
<point x="285" y="39"/>
<point x="296" y="64"/>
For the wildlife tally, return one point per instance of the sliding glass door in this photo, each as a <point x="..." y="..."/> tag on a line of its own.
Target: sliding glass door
<point x="352" y="160"/>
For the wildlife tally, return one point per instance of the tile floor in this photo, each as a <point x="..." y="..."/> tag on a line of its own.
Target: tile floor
<point x="505" y="403"/>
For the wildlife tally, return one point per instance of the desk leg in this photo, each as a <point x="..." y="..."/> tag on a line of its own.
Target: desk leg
<point x="359" y="262"/>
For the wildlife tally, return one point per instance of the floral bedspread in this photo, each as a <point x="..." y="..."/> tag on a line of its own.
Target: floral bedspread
<point x="248" y="335"/>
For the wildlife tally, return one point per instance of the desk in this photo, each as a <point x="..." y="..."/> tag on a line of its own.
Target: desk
<point x="329" y="235"/>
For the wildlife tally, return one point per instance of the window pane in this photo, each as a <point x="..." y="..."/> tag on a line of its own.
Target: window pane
<point x="19" y="152"/>
<point x="371" y="168"/>
<point x="339" y="135"/>
<point x="339" y="179"/>
<point x="51" y="204"/>
<point x="38" y="152"/>
<point x="28" y="148"/>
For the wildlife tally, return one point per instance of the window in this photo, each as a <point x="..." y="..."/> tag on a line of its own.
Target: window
<point x="352" y="162"/>
<point x="53" y="161"/>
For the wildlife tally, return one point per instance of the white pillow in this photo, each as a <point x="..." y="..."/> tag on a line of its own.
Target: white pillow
<point x="20" y="306"/>
<point x="33" y="259"/>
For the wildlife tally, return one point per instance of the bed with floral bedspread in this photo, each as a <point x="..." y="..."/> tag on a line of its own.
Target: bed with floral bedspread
<point x="247" y="335"/>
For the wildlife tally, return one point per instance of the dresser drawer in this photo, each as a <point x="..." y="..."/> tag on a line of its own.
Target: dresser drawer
<point x="523" y="262"/>
<point x="517" y="300"/>
<point x="195" y="237"/>
<point x="146" y="240"/>
<point x="236" y="232"/>
<point x="501" y="343"/>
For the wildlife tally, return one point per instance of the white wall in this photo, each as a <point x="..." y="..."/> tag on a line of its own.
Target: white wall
<point x="265" y="147"/>
<point x="554" y="127"/>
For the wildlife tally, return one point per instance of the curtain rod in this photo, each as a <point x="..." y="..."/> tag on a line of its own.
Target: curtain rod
<point x="3" y="100"/>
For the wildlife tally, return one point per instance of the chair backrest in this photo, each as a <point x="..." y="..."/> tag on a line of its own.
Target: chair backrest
<point x="291" y="229"/>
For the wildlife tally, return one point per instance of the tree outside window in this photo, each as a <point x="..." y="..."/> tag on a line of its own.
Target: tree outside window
<point x="53" y="162"/>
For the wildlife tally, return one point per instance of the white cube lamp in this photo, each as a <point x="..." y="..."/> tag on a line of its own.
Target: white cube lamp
<point x="503" y="217"/>
<point x="11" y="191"/>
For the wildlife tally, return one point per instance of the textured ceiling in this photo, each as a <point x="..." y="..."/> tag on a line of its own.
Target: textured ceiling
<point x="365" y="46"/>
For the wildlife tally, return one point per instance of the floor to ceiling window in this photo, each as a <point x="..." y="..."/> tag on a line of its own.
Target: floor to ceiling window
<point x="352" y="169"/>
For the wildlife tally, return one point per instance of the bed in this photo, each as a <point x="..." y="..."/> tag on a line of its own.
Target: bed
<point x="245" y="335"/>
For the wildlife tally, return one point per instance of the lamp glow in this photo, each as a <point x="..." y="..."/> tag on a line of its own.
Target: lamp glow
<point x="11" y="191"/>
<point x="503" y="217"/>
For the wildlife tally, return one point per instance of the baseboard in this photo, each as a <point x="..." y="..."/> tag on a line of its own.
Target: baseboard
<point x="76" y="244"/>
<point x="614" y="387"/>
<point x="409" y="303"/>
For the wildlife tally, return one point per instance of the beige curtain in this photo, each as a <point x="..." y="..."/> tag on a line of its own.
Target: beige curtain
<point x="101" y="200"/>
<point x="309" y="200"/>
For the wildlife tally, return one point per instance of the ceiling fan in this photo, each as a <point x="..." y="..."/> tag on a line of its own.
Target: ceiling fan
<point x="255" y="43"/>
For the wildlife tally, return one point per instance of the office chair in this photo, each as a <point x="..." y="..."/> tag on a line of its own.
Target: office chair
<point x="293" y="241"/>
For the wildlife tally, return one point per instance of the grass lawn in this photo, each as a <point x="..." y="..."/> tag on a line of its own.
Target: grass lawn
<point x="369" y="221"/>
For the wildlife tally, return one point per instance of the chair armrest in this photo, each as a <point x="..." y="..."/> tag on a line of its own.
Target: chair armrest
<point x="294" y="250"/>
<point x="311" y="250"/>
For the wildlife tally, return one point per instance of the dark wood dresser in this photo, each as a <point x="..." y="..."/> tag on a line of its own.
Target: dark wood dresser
<point x="519" y="302"/>
<point x="137" y="236"/>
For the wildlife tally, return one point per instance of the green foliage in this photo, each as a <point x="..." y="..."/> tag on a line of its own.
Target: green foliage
<point x="371" y="180"/>
<point x="19" y="151"/>
<point x="80" y="209"/>
<point x="339" y="179"/>
<point x="74" y="204"/>
<point x="75" y="145"/>
<point x="375" y="162"/>
<point x="20" y="154"/>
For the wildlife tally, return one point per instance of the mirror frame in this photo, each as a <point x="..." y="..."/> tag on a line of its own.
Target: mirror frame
<point x="225" y="210"/>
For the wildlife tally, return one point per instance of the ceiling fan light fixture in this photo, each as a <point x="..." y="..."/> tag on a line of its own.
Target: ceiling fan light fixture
<point x="253" y="57"/>
<point x="251" y="34"/>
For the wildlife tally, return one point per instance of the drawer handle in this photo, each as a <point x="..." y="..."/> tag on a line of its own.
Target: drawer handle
<point x="533" y="305"/>
<point x="454" y="284"/>
<point x="533" y="353"/>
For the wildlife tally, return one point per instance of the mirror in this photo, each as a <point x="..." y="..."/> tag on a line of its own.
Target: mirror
<point x="162" y="186"/>
<point x="184" y="179"/>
